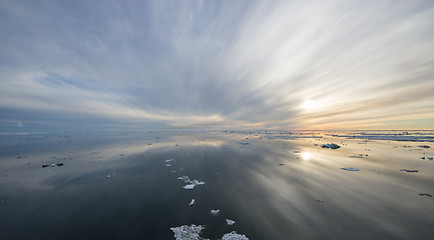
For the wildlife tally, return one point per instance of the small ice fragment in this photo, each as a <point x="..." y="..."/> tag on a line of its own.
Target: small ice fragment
<point x="188" y="232"/>
<point x="192" y="183"/>
<point x="410" y="171"/>
<point x="214" y="212"/>
<point x="186" y="179"/>
<point x="330" y="145"/>
<point x="234" y="236"/>
<point x="168" y="165"/>
<point x="173" y="171"/>
<point x="109" y="176"/>
<point x="192" y="202"/>
<point x="425" y="194"/>
<point x="230" y="222"/>
<point x="195" y="182"/>
<point x="350" y="169"/>
<point x="189" y="186"/>
<point x="169" y="160"/>
<point x="52" y="165"/>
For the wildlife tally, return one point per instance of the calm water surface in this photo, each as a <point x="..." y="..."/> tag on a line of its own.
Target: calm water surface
<point x="274" y="185"/>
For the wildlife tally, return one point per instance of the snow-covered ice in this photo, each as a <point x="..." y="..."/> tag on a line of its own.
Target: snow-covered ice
<point x="234" y="236"/>
<point x="214" y="212"/>
<point x="230" y="222"/>
<point x="185" y="232"/>
<point x="191" y="183"/>
<point x="192" y="202"/>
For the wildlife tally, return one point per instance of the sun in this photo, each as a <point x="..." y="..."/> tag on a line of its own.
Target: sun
<point x="308" y="104"/>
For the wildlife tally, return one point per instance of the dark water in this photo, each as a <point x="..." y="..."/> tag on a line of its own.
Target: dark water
<point x="117" y="186"/>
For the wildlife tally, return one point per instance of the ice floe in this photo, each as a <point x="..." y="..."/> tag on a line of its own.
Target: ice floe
<point x="410" y="171"/>
<point x="52" y="165"/>
<point x="192" y="202"/>
<point x="214" y="212"/>
<point x="185" y="232"/>
<point x="191" y="183"/>
<point x="350" y="169"/>
<point x="234" y="236"/>
<point x="330" y="145"/>
<point x="230" y="222"/>
<point x="425" y="194"/>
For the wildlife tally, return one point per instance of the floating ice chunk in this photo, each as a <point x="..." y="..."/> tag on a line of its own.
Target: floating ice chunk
<point x="410" y="171"/>
<point x="109" y="176"/>
<point x="192" y="202"/>
<point x="191" y="183"/>
<point x="214" y="212"/>
<point x="425" y="194"/>
<point x="189" y="186"/>
<point x="234" y="236"/>
<point x="188" y="232"/>
<point x="350" y="169"/>
<point x="169" y="160"/>
<point x="230" y="222"/>
<point x="168" y="165"/>
<point x="330" y="145"/>
<point x="186" y="179"/>
<point x="196" y="182"/>
<point x="173" y="171"/>
<point x="52" y="165"/>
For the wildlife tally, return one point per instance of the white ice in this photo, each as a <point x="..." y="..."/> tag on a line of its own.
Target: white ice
<point x="192" y="202"/>
<point x="185" y="232"/>
<point x="230" y="222"/>
<point x="214" y="212"/>
<point x="234" y="236"/>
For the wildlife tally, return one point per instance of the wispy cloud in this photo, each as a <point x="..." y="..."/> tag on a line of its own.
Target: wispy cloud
<point x="220" y="63"/>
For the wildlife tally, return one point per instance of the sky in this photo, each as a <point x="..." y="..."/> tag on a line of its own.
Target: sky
<point x="149" y="65"/>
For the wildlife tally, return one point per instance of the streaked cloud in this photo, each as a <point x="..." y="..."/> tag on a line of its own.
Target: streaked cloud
<point x="220" y="64"/>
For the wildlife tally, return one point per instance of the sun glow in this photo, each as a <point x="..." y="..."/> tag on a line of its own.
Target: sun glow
<point x="305" y="156"/>
<point x="308" y="104"/>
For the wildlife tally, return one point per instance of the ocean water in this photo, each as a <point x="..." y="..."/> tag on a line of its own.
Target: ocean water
<point x="190" y="185"/>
